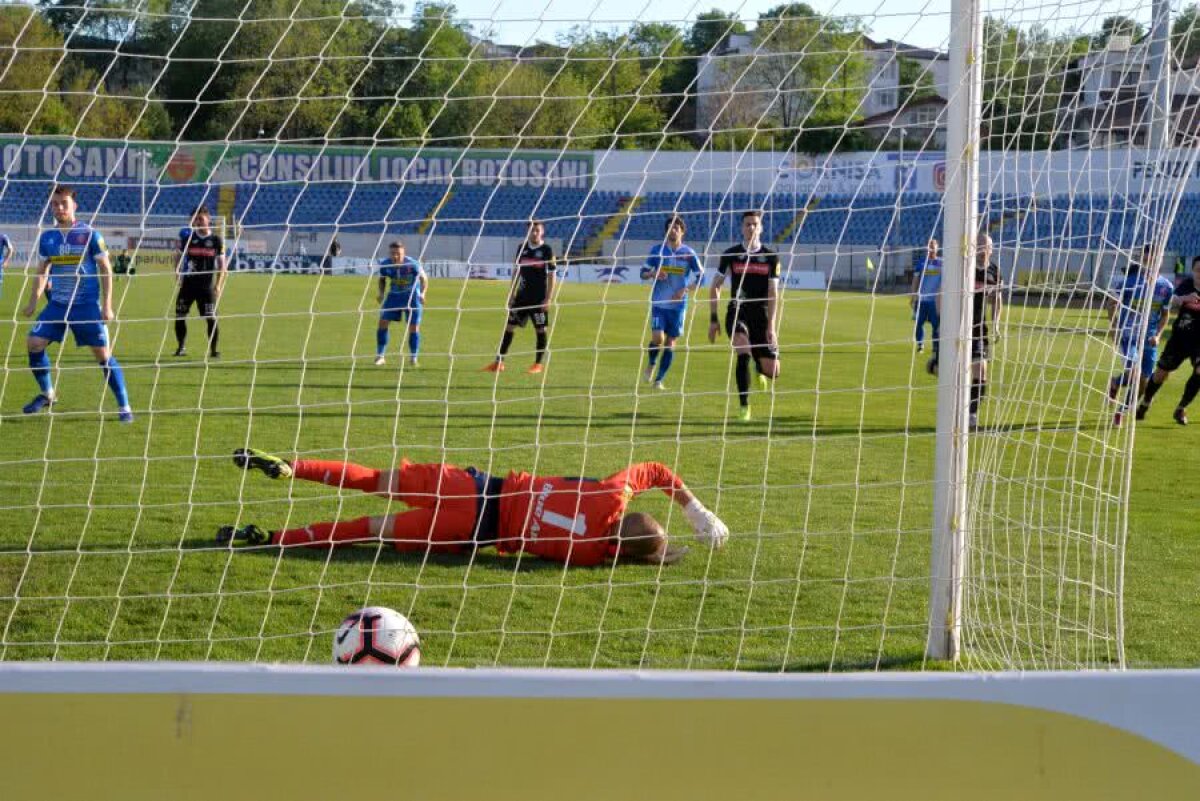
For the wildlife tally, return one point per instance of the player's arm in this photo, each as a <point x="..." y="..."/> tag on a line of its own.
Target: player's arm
<point x="105" y="274"/>
<point x="997" y="304"/>
<point x="646" y="476"/>
<point x="694" y="281"/>
<point x="772" y="309"/>
<point x="39" y="287"/>
<point x="714" y="300"/>
<point x="1163" y="316"/>
<point x="222" y="268"/>
<point x="516" y="280"/>
<point x="650" y="267"/>
<point x="181" y="249"/>
<point x="382" y="287"/>
<point x="551" y="283"/>
<point x="915" y="288"/>
<point x="422" y="282"/>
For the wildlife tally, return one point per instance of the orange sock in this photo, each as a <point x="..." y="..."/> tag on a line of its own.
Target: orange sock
<point x="322" y="535"/>
<point x="337" y="474"/>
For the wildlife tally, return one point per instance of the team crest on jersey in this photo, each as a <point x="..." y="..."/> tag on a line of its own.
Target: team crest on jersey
<point x="78" y="238"/>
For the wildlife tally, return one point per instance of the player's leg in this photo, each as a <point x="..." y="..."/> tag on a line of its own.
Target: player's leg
<point x="382" y="335"/>
<point x="935" y="325"/>
<point x="316" y="535"/>
<point x="1127" y="347"/>
<point x="516" y="318"/>
<point x="655" y="347"/>
<point x="667" y="359"/>
<point x="183" y="306"/>
<point x="1189" y="394"/>
<point x="1173" y="356"/>
<point x="333" y="473"/>
<point x="429" y="485"/>
<point x="414" y="335"/>
<point x="208" y="310"/>
<point x="448" y="528"/>
<point x="114" y="376"/>
<point x="919" y="330"/>
<point x="739" y="336"/>
<point x="541" y="320"/>
<point x="672" y="327"/>
<point x="39" y="364"/>
<point x="51" y="326"/>
<point x="979" y="376"/>
<point x="762" y="350"/>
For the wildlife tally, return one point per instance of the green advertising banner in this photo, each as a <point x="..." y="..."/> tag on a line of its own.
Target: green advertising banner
<point x="65" y="159"/>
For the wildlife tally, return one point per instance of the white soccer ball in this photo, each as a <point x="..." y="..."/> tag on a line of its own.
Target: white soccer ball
<point x="377" y="636"/>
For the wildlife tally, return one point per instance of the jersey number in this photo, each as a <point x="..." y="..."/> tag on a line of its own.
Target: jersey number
<point x="576" y="525"/>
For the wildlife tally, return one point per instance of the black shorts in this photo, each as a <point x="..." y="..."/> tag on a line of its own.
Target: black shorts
<point x="519" y="315"/>
<point x="1180" y="348"/>
<point x="750" y="319"/>
<point x="488" y="491"/>
<point x="204" y="295"/>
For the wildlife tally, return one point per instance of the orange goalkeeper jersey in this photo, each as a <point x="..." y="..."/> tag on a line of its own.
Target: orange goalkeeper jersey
<point x="568" y="519"/>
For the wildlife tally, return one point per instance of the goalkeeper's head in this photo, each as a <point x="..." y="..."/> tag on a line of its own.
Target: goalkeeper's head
<point x="641" y="538"/>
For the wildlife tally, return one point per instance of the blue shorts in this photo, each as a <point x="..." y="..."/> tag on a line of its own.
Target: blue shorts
<point x="1129" y="349"/>
<point x="83" y="319"/>
<point x="669" y="321"/>
<point x="394" y="314"/>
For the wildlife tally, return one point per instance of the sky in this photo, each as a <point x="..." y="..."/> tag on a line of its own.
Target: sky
<point x="922" y="23"/>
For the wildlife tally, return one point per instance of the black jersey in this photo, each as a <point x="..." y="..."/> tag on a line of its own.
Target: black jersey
<point x="534" y="264"/>
<point x="1187" y="309"/>
<point x="199" y="256"/>
<point x="749" y="274"/>
<point x="988" y="284"/>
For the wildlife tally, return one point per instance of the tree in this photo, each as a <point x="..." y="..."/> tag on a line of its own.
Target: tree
<point x="916" y="82"/>
<point x="1117" y="25"/>
<point x="49" y="92"/>
<point x="1185" y="33"/>
<point x="1025" y="83"/>
<point x="710" y="30"/>
<point x="802" y="83"/>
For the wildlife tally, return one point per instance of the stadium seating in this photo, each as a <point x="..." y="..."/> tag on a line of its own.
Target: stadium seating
<point x="1084" y="222"/>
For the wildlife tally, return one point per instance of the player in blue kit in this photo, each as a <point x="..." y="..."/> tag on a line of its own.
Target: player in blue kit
<point x="926" y="289"/>
<point x="74" y="255"/>
<point x="6" y="250"/>
<point x="675" y="269"/>
<point x="1135" y="330"/>
<point x="402" y="285"/>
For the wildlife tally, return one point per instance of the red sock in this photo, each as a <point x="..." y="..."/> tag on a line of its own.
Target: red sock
<point x="337" y="474"/>
<point x="322" y="535"/>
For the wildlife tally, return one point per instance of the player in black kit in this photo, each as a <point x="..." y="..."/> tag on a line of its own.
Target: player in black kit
<point x="529" y="295"/>
<point x="1184" y="345"/>
<point x="753" y="272"/>
<point x="201" y="272"/>
<point x="987" y="300"/>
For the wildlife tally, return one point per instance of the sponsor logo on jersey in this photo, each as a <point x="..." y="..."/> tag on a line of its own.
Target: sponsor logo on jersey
<point x="751" y="268"/>
<point x="539" y="509"/>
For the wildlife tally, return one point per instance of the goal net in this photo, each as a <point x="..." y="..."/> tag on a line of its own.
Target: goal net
<point x="321" y="133"/>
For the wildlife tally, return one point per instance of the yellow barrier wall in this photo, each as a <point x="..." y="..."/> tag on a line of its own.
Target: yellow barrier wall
<point x="570" y="737"/>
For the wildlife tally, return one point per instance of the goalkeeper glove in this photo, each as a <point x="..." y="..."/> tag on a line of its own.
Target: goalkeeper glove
<point x="708" y="527"/>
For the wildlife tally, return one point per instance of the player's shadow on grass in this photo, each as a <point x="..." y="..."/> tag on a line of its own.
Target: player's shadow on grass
<point x="372" y="553"/>
<point x="488" y="419"/>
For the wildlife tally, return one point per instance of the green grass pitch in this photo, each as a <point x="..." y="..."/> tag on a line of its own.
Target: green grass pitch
<point x="106" y="530"/>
